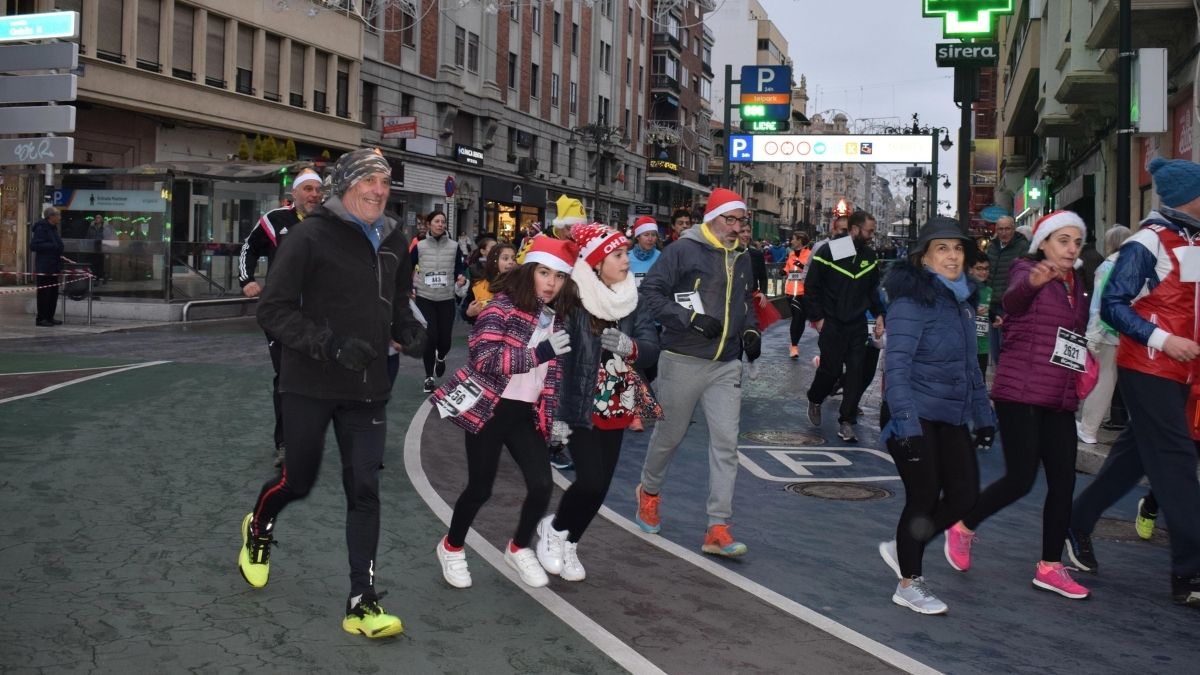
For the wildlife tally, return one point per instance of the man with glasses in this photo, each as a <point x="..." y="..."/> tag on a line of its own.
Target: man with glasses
<point x="842" y="285"/>
<point x="701" y="292"/>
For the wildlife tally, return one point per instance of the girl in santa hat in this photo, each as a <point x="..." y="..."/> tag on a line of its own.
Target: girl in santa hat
<point x="1035" y="395"/>
<point x="506" y="396"/>
<point x="602" y="393"/>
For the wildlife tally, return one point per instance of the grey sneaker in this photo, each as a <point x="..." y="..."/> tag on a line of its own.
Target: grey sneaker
<point x="919" y="598"/>
<point x="887" y="551"/>
<point x="846" y="432"/>
<point x="814" y="413"/>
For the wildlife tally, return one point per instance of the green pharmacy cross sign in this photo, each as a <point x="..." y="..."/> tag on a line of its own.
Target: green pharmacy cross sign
<point x="967" y="18"/>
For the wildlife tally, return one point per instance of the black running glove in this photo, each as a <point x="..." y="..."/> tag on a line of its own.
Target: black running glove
<point x="984" y="437"/>
<point x="412" y="340"/>
<point x="352" y="353"/>
<point x="706" y="326"/>
<point x="752" y="345"/>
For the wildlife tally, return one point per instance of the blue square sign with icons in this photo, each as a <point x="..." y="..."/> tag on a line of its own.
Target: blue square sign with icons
<point x="741" y="148"/>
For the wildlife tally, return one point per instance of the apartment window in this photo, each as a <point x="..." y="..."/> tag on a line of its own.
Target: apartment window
<point x="706" y="89"/>
<point x="554" y="89"/>
<point x="606" y="7"/>
<point x="695" y="84"/>
<point x="343" y="89"/>
<point x="535" y="17"/>
<point x="628" y="71"/>
<point x="683" y="38"/>
<point x="706" y="55"/>
<point x="575" y="39"/>
<point x="406" y="104"/>
<point x="534" y="80"/>
<point x="271" y="68"/>
<point x="181" y="49"/>
<point x="369" y="93"/>
<point x="625" y="123"/>
<point x="514" y="11"/>
<point x="147" y="35"/>
<point x="642" y="29"/>
<point x="108" y="32"/>
<point x="296" y="77"/>
<point x="629" y="21"/>
<point x="214" y="52"/>
<point x="512" y="70"/>
<point x="557" y="28"/>
<point x="553" y="158"/>
<point x="407" y="27"/>
<point x="574" y="99"/>
<point x="602" y="110"/>
<point x="605" y="57"/>
<point x="570" y="162"/>
<point x="245" y="59"/>
<point x="321" y="69"/>
<point x="460" y="46"/>
<point x="683" y="74"/>
<point x="473" y="52"/>
<point x="641" y="77"/>
<point x="637" y="131"/>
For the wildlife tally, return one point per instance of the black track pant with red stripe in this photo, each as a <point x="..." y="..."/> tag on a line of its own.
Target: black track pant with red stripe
<point x="361" y="429"/>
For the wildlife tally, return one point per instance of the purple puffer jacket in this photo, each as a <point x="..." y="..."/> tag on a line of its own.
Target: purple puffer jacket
<point x="1033" y="317"/>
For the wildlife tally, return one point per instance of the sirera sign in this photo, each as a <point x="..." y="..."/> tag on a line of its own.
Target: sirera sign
<point x="954" y="54"/>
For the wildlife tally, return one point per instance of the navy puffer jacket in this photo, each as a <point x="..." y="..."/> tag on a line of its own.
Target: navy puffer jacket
<point x="581" y="365"/>
<point x="931" y="370"/>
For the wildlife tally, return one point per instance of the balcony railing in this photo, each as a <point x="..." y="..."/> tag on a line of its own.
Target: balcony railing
<point x="666" y="40"/>
<point x="664" y="82"/>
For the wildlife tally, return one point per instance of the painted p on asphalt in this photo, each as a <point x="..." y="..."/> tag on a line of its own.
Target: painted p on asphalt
<point x="127" y="461"/>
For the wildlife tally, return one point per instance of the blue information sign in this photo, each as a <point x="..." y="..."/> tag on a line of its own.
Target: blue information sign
<point x="27" y="27"/>
<point x="766" y="92"/>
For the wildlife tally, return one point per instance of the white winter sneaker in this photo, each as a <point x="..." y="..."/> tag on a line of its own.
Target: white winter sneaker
<point x="572" y="569"/>
<point x="454" y="565"/>
<point x="550" y="545"/>
<point x="525" y="562"/>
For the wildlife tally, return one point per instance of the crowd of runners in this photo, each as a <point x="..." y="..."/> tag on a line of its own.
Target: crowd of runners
<point x="581" y="331"/>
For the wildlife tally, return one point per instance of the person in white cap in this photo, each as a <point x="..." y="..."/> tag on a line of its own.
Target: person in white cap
<point x="701" y="291"/>
<point x="264" y="240"/>
<point x="506" y="396"/>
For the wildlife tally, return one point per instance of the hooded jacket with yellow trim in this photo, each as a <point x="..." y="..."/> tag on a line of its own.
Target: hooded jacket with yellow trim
<point x="842" y="290"/>
<point x="723" y="279"/>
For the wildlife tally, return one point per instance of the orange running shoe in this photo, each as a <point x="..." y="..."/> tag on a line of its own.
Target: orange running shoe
<point x="647" y="511"/>
<point x="794" y="352"/>
<point x="718" y="541"/>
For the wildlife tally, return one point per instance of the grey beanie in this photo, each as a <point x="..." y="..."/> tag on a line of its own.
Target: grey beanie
<point x="354" y="166"/>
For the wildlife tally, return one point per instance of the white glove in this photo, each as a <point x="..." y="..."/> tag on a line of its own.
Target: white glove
<point x="559" y="433"/>
<point x="560" y="341"/>
<point x="616" y="342"/>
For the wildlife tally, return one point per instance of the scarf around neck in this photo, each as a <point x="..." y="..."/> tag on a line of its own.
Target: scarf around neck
<point x="958" y="287"/>
<point x="642" y="254"/>
<point x="602" y="302"/>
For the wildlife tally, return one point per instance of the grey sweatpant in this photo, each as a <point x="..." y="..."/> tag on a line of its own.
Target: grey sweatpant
<point x="684" y="381"/>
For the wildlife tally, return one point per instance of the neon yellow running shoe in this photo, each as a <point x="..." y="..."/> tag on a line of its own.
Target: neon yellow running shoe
<point x="254" y="558"/>
<point x="368" y="618"/>
<point x="1144" y="523"/>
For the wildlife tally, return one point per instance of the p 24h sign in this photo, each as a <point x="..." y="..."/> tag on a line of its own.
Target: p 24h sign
<point x="766" y="92"/>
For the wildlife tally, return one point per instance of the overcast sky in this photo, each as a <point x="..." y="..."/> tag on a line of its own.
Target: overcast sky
<point x="872" y="59"/>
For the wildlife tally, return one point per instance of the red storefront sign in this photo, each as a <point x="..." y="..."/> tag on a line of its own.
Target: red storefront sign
<point x="1181" y="129"/>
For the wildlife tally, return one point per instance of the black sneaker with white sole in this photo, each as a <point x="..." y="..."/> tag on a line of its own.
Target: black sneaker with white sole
<point x="1079" y="550"/>
<point x="429" y="385"/>
<point x="814" y="413"/>
<point x="439" y="367"/>
<point x="559" y="459"/>
<point x="1186" y="591"/>
<point x="846" y="432"/>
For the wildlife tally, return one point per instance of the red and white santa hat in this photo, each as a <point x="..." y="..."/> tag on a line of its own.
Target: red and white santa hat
<point x="1049" y="223"/>
<point x="557" y="254"/>
<point x="596" y="241"/>
<point x="643" y="225"/>
<point x="722" y="201"/>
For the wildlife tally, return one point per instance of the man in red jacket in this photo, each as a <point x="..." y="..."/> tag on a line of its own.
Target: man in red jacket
<point x="1150" y="299"/>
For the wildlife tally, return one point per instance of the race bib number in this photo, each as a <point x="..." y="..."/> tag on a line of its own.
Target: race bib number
<point x="638" y="277"/>
<point x="690" y="301"/>
<point x="795" y="276"/>
<point x="1070" y="351"/>
<point x="981" y="326"/>
<point x="437" y="279"/>
<point x="460" y="400"/>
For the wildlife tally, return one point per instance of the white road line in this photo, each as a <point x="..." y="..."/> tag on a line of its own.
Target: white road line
<point x="60" y="385"/>
<point x="627" y="657"/>
<point x="64" y="370"/>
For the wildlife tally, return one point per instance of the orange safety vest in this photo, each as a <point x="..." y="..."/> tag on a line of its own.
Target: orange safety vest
<point x="796" y="268"/>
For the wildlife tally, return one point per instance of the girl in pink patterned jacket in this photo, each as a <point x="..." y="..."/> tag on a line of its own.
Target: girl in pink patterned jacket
<point x="506" y="395"/>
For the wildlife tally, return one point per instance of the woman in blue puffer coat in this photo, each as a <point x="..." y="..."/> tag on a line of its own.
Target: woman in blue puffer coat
<point x="932" y="388"/>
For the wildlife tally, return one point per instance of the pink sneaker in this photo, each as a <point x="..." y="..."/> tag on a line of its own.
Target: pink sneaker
<point x="1055" y="578"/>
<point x="958" y="547"/>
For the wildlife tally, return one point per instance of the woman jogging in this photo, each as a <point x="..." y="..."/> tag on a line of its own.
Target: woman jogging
<point x="439" y="264"/>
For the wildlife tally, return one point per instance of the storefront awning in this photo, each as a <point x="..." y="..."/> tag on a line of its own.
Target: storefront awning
<point x="676" y="180"/>
<point x="246" y="171"/>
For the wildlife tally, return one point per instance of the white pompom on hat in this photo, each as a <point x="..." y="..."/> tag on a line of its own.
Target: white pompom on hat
<point x="1049" y="223"/>
<point x="722" y="201"/>
<point x="643" y="225"/>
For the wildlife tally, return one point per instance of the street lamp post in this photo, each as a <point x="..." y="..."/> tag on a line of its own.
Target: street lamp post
<point x="917" y="129"/>
<point x="602" y="137"/>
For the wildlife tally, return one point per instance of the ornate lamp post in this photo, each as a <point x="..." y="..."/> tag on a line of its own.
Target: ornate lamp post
<point x="917" y="129"/>
<point x="601" y="137"/>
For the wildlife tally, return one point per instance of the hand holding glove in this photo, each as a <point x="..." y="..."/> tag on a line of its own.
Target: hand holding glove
<point x="616" y="342"/>
<point x="412" y="341"/>
<point x="352" y="353"/>
<point x="557" y="344"/>
<point x="984" y="437"/>
<point x="559" y="433"/>
<point x="706" y="326"/>
<point x="752" y="345"/>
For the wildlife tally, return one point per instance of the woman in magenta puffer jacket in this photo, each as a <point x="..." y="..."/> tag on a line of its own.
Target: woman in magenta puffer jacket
<point x="1034" y="392"/>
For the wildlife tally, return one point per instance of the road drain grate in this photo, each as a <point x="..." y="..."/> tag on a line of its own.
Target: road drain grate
<point x="788" y="438"/>
<point x="843" y="492"/>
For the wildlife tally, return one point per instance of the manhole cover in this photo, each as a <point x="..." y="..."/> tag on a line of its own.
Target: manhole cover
<point x="792" y="438"/>
<point x="1114" y="529"/>
<point x="845" y="492"/>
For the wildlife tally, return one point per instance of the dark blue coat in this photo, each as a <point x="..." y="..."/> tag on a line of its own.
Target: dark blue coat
<point x="581" y="365"/>
<point x="47" y="247"/>
<point x="931" y="369"/>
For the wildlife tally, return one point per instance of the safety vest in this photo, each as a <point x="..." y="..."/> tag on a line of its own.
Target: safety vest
<point x="796" y="268"/>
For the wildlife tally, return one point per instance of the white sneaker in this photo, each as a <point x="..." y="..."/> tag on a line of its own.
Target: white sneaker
<point x="1083" y="438"/>
<point x="550" y="545"/>
<point x="887" y="551"/>
<point x="572" y="569"/>
<point x="454" y="566"/>
<point x="525" y="562"/>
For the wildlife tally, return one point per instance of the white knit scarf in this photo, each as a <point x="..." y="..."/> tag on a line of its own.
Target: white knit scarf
<point x="601" y="301"/>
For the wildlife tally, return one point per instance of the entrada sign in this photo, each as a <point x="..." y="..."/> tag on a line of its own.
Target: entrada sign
<point x="953" y="54"/>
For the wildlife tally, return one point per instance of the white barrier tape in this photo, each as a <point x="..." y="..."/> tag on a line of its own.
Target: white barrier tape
<point x="27" y="289"/>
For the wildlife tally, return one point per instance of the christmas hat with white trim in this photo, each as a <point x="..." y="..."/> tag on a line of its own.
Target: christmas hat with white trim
<point x="557" y="254"/>
<point x="1055" y="220"/>
<point x="643" y="225"/>
<point x="722" y="201"/>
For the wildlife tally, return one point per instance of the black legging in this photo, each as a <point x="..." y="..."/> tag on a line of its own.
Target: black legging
<point x="511" y="426"/>
<point x="796" y="305"/>
<point x="275" y="348"/>
<point x="843" y="347"/>
<point x="360" y="428"/>
<point x="439" y="314"/>
<point x="1029" y="434"/>
<point x="941" y="484"/>
<point x="595" y="452"/>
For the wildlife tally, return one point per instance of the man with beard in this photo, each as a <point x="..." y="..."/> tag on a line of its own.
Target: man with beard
<point x="842" y="285"/>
